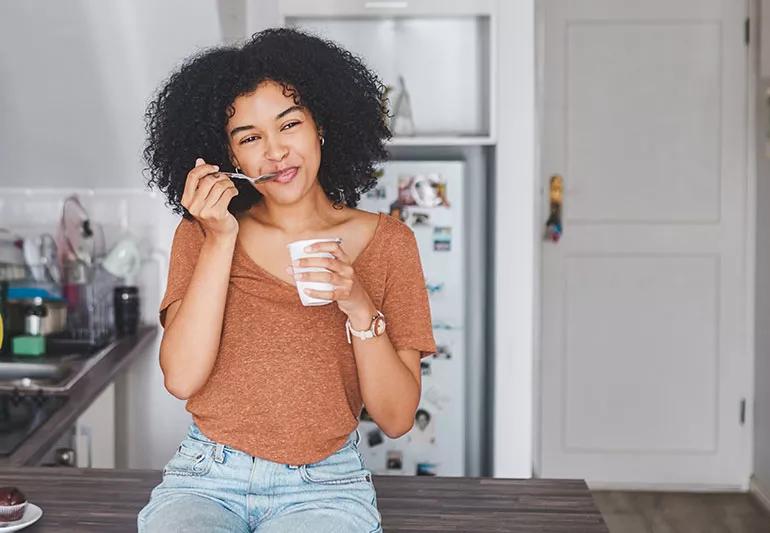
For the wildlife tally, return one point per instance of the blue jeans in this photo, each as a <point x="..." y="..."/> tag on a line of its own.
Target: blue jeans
<point x="210" y="487"/>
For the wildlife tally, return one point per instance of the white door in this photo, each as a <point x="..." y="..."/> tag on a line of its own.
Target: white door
<point x="644" y="336"/>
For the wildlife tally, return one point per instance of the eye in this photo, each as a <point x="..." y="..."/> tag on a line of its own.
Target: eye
<point x="249" y="139"/>
<point x="290" y="125"/>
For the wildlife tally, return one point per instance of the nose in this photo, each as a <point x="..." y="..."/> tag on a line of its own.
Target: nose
<point x="275" y="150"/>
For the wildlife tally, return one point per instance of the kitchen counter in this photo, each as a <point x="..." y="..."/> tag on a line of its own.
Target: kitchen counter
<point x="80" y="396"/>
<point x="86" y="500"/>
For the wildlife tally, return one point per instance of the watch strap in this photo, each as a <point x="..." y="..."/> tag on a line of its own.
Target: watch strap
<point x="364" y="334"/>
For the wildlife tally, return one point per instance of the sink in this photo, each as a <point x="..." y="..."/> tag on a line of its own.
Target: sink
<point x="54" y="374"/>
<point x="27" y="374"/>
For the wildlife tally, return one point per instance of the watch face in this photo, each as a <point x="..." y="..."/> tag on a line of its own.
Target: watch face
<point x="379" y="326"/>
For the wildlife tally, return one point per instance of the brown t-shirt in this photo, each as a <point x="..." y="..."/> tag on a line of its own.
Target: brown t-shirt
<point x="284" y="386"/>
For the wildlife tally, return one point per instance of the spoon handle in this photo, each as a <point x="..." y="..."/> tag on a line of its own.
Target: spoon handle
<point x="259" y="179"/>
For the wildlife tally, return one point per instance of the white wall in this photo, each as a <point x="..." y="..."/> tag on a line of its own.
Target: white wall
<point x="73" y="99"/>
<point x="762" y="297"/>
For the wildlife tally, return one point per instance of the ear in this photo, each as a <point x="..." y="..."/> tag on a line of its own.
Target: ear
<point x="233" y="160"/>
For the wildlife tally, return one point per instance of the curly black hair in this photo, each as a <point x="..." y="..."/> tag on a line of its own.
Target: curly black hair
<point x="187" y="117"/>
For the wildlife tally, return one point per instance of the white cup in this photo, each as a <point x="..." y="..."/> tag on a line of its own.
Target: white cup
<point x="124" y="259"/>
<point x="297" y="251"/>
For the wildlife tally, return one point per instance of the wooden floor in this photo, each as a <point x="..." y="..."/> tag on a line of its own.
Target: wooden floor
<point x="667" y="512"/>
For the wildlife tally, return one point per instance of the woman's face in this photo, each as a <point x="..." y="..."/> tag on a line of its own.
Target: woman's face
<point x="270" y="133"/>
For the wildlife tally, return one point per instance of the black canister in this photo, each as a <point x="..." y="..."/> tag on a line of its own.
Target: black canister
<point x="126" y="301"/>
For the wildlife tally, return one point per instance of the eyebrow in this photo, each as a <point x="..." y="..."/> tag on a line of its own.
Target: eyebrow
<point x="278" y="116"/>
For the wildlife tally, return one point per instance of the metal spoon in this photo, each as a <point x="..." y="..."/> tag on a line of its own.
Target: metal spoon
<point x="260" y="179"/>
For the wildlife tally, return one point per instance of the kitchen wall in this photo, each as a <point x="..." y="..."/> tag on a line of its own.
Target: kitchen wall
<point x="762" y="327"/>
<point x="73" y="97"/>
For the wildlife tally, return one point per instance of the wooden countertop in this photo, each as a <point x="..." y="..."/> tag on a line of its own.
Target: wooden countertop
<point x="91" y="500"/>
<point x="80" y="396"/>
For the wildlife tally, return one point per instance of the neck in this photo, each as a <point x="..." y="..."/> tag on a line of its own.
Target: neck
<point x="311" y="212"/>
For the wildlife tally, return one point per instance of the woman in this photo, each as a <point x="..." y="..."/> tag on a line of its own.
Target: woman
<point x="276" y="388"/>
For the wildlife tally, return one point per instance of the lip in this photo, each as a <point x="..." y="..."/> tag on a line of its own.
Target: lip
<point x="286" y="175"/>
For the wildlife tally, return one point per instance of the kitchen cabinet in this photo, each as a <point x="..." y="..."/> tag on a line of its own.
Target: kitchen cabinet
<point x="95" y="432"/>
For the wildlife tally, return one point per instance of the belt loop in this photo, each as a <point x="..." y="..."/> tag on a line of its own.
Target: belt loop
<point x="358" y="437"/>
<point x="219" y="453"/>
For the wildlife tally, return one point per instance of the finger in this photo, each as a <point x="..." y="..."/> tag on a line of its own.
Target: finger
<point x="193" y="178"/>
<point x="335" y="265"/>
<point x="290" y="272"/>
<point x="206" y="170"/>
<point x="199" y="200"/>
<point x="227" y="194"/>
<point x="201" y="168"/>
<point x="215" y="192"/>
<point x="332" y="247"/>
<point x="219" y="210"/>
<point x="325" y="295"/>
<point x="323" y="277"/>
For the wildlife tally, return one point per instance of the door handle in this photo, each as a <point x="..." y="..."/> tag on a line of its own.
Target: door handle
<point x="553" y="226"/>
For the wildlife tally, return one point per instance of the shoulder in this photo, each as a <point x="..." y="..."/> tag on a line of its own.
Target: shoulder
<point x="365" y="220"/>
<point x="393" y="233"/>
<point x="399" y="234"/>
<point x="360" y="228"/>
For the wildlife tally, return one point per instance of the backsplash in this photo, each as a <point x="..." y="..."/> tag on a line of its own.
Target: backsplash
<point x="139" y="213"/>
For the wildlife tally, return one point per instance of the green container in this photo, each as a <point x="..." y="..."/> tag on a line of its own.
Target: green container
<point x="29" y="345"/>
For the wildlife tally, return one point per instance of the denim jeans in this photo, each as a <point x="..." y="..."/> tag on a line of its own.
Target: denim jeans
<point x="210" y="487"/>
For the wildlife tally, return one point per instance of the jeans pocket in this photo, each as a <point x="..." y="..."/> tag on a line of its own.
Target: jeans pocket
<point x="192" y="458"/>
<point x="340" y="468"/>
<point x="321" y="475"/>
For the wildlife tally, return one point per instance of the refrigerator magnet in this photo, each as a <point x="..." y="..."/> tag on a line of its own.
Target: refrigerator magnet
<point x="424" y="190"/>
<point x="442" y="239"/>
<point x="419" y="219"/>
<point x="394" y="460"/>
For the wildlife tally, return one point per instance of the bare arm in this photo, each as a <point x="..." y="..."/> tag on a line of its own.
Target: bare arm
<point x="390" y="380"/>
<point x="193" y="325"/>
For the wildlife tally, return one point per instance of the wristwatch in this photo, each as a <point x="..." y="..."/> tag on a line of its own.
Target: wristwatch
<point x="376" y="328"/>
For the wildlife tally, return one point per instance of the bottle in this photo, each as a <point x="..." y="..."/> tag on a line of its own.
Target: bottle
<point x="33" y="319"/>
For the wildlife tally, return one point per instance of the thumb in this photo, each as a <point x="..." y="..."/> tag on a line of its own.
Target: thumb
<point x="199" y="162"/>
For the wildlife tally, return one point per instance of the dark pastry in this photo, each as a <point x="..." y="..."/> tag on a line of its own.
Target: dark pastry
<point x="12" y="504"/>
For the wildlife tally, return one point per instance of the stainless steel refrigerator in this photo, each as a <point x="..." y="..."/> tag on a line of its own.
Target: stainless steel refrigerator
<point x="428" y="197"/>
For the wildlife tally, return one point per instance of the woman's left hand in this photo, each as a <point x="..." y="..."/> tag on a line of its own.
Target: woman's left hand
<point x="350" y="295"/>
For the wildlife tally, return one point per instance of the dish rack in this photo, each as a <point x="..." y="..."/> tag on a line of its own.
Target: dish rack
<point x="88" y="290"/>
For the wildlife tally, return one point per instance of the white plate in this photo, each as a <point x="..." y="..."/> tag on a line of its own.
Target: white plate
<point x="32" y="514"/>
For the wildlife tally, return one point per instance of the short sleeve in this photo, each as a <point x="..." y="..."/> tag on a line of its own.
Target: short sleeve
<point x="185" y="249"/>
<point x="405" y="301"/>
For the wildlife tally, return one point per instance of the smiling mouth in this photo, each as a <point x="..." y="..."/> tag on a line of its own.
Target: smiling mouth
<point x="285" y="176"/>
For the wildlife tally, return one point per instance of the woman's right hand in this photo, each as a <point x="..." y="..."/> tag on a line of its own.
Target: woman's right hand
<point x="206" y="196"/>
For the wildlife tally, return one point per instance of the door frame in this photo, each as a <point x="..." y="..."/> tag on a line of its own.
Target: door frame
<point x="539" y="209"/>
<point x="752" y="12"/>
<point x="514" y="254"/>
